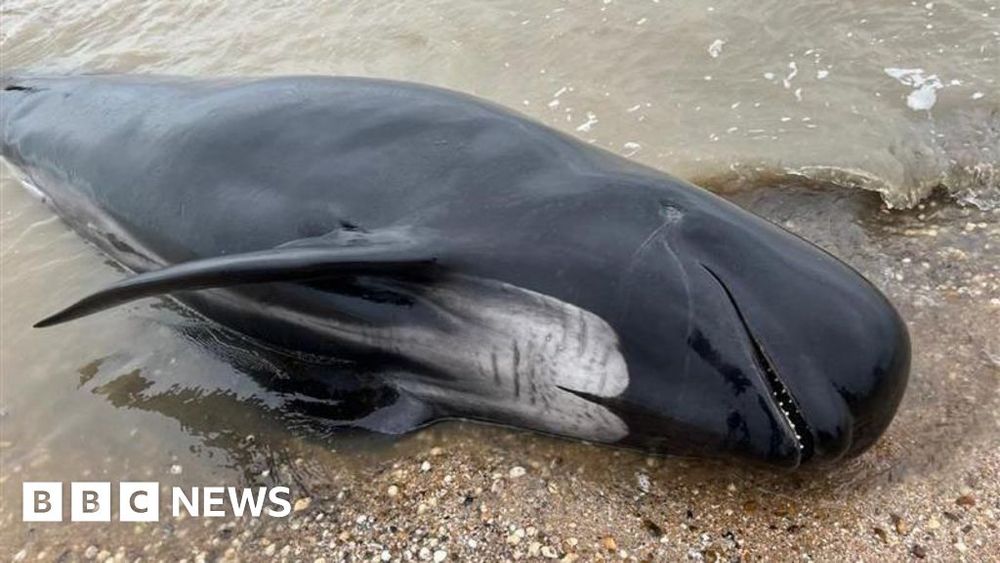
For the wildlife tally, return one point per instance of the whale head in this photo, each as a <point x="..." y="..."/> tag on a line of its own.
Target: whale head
<point x="744" y="340"/>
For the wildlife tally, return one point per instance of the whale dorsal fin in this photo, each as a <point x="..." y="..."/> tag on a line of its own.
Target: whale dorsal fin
<point x="300" y="261"/>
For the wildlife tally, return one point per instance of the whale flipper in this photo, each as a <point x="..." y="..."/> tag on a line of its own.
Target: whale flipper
<point x="300" y="261"/>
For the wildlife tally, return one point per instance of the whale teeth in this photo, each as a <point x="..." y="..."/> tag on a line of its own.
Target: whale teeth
<point x="780" y="395"/>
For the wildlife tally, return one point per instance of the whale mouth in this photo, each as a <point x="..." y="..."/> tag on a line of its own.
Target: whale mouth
<point x="781" y="397"/>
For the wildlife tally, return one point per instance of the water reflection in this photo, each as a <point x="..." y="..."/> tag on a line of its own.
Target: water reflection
<point x="262" y="403"/>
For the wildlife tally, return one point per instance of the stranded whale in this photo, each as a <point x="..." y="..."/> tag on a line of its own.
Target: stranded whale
<point x="478" y="264"/>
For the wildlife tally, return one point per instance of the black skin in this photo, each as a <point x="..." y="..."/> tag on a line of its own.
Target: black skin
<point x="716" y="309"/>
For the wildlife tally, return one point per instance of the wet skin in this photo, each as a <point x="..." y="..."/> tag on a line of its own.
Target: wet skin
<point x="738" y="338"/>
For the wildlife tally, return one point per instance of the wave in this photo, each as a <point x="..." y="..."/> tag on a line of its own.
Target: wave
<point x="953" y="150"/>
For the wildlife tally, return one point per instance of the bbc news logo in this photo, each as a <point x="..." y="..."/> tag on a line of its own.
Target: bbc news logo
<point x="139" y="501"/>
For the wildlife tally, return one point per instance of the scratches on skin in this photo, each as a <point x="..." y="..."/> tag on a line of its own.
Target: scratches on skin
<point x="517" y="373"/>
<point x="496" y="369"/>
<point x="686" y="280"/>
<point x="657" y="239"/>
<point x="510" y="354"/>
<point x="669" y="216"/>
<point x="532" y="378"/>
<point x="645" y="244"/>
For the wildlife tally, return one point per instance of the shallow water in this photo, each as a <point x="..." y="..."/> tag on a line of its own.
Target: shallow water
<point x="787" y="110"/>
<point x="702" y="88"/>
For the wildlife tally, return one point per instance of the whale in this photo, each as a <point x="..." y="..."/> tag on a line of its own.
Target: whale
<point x="471" y="263"/>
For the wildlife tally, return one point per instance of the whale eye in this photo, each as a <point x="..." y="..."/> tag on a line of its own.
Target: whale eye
<point x="670" y="213"/>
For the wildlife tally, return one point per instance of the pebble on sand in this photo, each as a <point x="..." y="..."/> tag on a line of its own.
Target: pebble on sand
<point x="302" y="504"/>
<point x="517" y="471"/>
<point x="643" y="482"/>
<point x="516" y="536"/>
<point x="966" y="501"/>
<point x="901" y="526"/>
